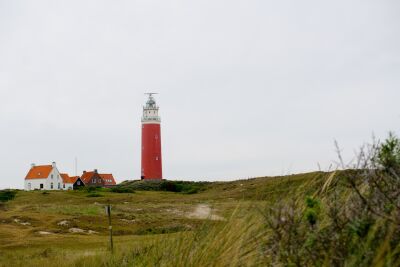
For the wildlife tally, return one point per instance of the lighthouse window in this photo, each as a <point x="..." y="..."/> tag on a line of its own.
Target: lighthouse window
<point x="156" y="158"/>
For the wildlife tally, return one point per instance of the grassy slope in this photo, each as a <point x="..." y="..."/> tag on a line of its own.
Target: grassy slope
<point x="139" y="218"/>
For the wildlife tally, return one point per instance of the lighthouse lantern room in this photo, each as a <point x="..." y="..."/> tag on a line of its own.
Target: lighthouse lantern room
<point x="151" y="141"/>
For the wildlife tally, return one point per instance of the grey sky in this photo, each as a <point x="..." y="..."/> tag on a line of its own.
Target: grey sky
<point x="247" y="88"/>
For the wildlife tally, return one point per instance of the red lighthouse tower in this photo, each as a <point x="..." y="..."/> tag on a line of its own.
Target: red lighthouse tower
<point x="151" y="141"/>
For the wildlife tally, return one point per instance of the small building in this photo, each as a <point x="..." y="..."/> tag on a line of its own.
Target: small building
<point x="108" y="179"/>
<point x="71" y="183"/>
<point x="43" y="177"/>
<point x="77" y="182"/>
<point x="94" y="178"/>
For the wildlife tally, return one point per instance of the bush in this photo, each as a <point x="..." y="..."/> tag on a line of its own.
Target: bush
<point x="182" y="186"/>
<point x="352" y="220"/>
<point x="388" y="155"/>
<point x="7" y="195"/>
<point x="185" y="187"/>
<point x="122" y="190"/>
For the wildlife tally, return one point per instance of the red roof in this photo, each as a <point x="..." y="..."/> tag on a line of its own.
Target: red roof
<point x="39" y="172"/>
<point x="86" y="176"/>
<point x="108" y="178"/>
<point x="74" y="178"/>
<point x="67" y="179"/>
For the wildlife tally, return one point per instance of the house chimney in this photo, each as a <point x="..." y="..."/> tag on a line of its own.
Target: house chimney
<point x="95" y="170"/>
<point x="84" y="171"/>
<point x="33" y="165"/>
<point x="53" y="164"/>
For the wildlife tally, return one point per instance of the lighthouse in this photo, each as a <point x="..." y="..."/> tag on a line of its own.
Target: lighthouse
<point x="151" y="141"/>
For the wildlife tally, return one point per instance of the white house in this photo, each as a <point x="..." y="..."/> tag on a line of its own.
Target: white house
<point x="44" y="177"/>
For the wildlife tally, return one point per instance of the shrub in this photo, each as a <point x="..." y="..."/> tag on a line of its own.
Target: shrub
<point x="185" y="187"/>
<point x="388" y="155"/>
<point x="122" y="190"/>
<point x="7" y="195"/>
<point x="353" y="220"/>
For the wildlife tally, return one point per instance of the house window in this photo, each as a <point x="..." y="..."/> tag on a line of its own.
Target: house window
<point x="59" y="186"/>
<point x="52" y="176"/>
<point x="51" y="186"/>
<point x="78" y="183"/>
<point x="63" y="185"/>
<point x="41" y="186"/>
<point x="29" y="186"/>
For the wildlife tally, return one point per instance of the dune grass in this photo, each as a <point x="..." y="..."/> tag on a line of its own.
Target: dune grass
<point x="314" y="219"/>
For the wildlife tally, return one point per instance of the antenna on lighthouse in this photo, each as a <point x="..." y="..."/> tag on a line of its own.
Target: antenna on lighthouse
<point x="150" y="94"/>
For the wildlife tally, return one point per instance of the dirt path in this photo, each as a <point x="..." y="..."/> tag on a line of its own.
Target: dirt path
<point x="203" y="211"/>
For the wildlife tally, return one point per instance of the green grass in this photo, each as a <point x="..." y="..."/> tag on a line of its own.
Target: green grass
<point x="156" y="227"/>
<point x="143" y="214"/>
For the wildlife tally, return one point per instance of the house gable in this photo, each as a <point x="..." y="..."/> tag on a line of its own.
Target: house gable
<point x="108" y="179"/>
<point x="43" y="177"/>
<point x="92" y="178"/>
<point x="39" y="172"/>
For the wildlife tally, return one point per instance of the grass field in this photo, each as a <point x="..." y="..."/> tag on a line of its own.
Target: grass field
<point x="312" y="219"/>
<point x="62" y="228"/>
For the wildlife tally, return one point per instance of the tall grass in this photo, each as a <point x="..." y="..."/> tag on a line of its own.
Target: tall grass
<point x="343" y="218"/>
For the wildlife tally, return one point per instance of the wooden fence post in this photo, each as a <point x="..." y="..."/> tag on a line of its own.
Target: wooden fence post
<point x="108" y="211"/>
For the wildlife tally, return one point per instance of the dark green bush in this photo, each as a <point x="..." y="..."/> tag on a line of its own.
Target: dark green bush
<point x="185" y="187"/>
<point x="122" y="190"/>
<point x="312" y="210"/>
<point x="7" y="195"/>
<point x="388" y="155"/>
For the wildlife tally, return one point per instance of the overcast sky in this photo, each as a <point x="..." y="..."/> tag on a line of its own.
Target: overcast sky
<point x="247" y="88"/>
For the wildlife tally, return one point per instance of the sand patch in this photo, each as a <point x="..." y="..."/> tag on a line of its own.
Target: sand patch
<point x="44" y="233"/>
<point x="81" y="231"/>
<point x="22" y="222"/>
<point x="76" y="230"/>
<point x="63" y="223"/>
<point x="204" y="212"/>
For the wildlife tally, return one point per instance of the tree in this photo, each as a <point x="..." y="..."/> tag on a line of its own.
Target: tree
<point x="388" y="155"/>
